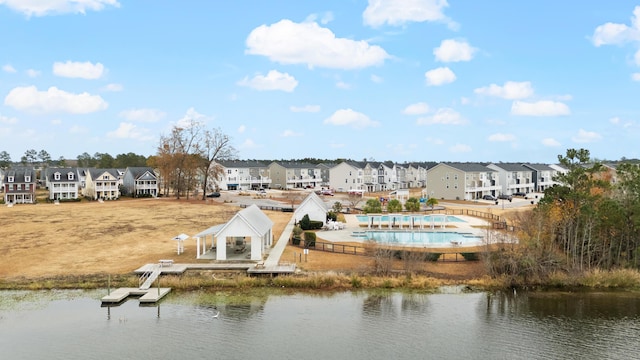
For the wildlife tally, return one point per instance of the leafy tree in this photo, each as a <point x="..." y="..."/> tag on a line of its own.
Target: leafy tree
<point x="85" y="160"/>
<point x="30" y="156"/>
<point x="5" y="160"/>
<point x="129" y="160"/>
<point x="372" y="206"/>
<point x="412" y="204"/>
<point x="61" y="162"/>
<point x="44" y="157"/>
<point x="394" y="206"/>
<point x="337" y="207"/>
<point x="104" y="160"/>
<point x="432" y="202"/>
<point x="305" y="222"/>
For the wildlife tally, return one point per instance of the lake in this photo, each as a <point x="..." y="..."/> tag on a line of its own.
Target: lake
<point x="343" y="325"/>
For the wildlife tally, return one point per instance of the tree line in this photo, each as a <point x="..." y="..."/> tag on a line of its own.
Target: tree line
<point x="589" y="220"/>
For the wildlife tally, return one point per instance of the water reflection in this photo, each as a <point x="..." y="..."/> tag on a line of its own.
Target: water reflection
<point x="348" y="325"/>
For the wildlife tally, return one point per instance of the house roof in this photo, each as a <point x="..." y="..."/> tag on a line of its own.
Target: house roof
<point x="19" y="174"/>
<point x="312" y="200"/>
<point x="539" y="167"/>
<point x="94" y="172"/>
<point x="137" y="172"/>
<point x="512" y="166"/>
<point x="469" y="167"/>
<point x="242" y="164"/>
<point x="63" y="172"/>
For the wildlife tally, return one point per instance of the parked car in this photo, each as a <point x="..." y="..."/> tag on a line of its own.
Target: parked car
<point x="213" y="194"/>
<point x="520" y="193"/>
<point x="489" y="197"/>
<point x="504" y="197"/>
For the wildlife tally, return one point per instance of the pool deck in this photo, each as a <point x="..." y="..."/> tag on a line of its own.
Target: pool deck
<point x="468" y="226"/>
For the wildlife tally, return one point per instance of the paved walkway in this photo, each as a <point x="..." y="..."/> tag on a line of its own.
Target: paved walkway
<point x="276" y="252"/>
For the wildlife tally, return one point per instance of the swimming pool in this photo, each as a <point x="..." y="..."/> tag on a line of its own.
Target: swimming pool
<point x="420" y="237"/>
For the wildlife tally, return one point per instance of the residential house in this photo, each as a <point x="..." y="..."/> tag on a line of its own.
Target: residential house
<point x="140" y="182"/>
<point x="294" y="175"/>
<point x="543" y="176"/>
<point x="19" y="186"/>
<point x="243" y="175"/>
<point x="514" y="177"/>
<point x="325" y="173"/>
<point x="102" y="184"/>
<point x="62" y="183"/>
<point x="461" y="181"/>
<point x="346" y="176"/>
<point x="416" y="176"/>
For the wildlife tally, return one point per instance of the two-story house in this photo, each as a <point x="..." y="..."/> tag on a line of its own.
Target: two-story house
<point x="140" y="182"/>
<point x="294" y="175"/>
<point x="461" y="181"/>
<point x="243" y="175"/>
<point x="346" y="176"/>
<point x="102" y="184"/>
<point x="62" y="183"/>
<point x="19" y="186"/>
<point x="542" y="176"/>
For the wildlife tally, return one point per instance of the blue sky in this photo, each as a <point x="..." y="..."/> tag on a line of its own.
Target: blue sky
<point x="401" y="80"/>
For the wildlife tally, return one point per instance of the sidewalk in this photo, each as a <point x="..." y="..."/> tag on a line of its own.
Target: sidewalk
<point x="276" y="252"/>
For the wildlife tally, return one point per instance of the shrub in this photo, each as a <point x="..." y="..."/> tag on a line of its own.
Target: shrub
<point x="470" y="256"/>
<point x="331" y="215"/>
<point x="305" y="222"/>
<point x="295" y="241"/>
<point x="309" y="239"/>
<point x="315" y="225"/>
<point x="432" y="256"/>
<point x="297" y="231"/>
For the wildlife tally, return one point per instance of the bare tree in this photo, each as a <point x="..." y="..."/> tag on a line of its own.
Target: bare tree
<point x="175" y="153"/>
<point x="215" y="146"/>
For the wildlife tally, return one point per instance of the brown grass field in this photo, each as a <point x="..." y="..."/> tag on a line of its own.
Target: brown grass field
<point x="117" y="237"/>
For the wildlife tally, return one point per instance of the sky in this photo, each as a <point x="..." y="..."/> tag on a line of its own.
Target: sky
<point x="399" y="80"/>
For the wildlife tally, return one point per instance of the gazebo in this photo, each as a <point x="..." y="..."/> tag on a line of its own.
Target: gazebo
<point x="248" y="225"/>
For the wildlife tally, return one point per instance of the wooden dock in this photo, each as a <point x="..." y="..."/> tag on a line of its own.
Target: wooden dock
<point x="151" y="295"/>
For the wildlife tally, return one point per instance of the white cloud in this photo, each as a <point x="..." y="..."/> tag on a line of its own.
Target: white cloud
<point x="511" y="90"/>
<point x="615" y="34"/>
<point x="499" y="137"/>
<point x="584" y="136"/>
<point x="248" y="144"/>
<point x="287" y="42"/>
<point x="343" y="85"/>
<point x="8" y="68"/>
<point x="540" y="108"/>
<point x="439" y="76"/>
<point x="53" y="100"/>
<point x="113" y="87"/>
<point x="460" y="148"/>
<point x="420" y="108"/>
<point x="636" y="58"/>
<point x="325" y="18"/>
<point x="8" y="120"/>
<point x="306" y="108"/>
<point x="376" y="79"/>
<point x="290" y="133"/>
<point x="130" y="131"/>
<point x="550" y="142"/>
<point x="191" y="116"/>
<point x="444" y="116"/>
<point x="400" y="12"/>
<point x="635" y="76"/>
<point x="454" y="51"/>
<point x="241" y="129"/>
<point x="348" y="117"/>
<point x="274" y="80"/>
<point x="42" y="8"/>
<point x="33" y="73"/>
<point x="82" y="70"/>
<point x="142" y="115"/>
<point x="56" y="122"/>
<point x="614" y="120"/>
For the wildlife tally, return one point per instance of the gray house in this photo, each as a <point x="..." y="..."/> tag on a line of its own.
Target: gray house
<point x="140" y="182"/>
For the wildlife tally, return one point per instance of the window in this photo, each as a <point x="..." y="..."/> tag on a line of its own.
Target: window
<point x="10" y="179"/>
<point x="70" y="176"/>
<point x="27" y="178"/>
<point x="56" y="176"/>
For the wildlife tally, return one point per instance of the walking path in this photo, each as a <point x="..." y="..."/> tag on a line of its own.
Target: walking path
<point x="276" y="252"/>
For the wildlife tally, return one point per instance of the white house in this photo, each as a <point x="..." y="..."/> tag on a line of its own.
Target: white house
<point x="346" y="176"/>
<point x="62" y="183"/>
<point x="248" y="230"/>
<point x="102" y="184"/>
<point x="313" y="206"/>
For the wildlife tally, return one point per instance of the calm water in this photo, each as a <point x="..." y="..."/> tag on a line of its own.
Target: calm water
<point x="73" y="325"/>
<point x="419" y="237"/>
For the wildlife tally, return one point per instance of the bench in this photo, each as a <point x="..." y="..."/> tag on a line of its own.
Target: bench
<point x="166" y="263"/>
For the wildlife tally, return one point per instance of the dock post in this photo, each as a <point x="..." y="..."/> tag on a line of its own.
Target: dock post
<point x="109" y="285"/>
